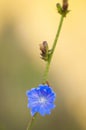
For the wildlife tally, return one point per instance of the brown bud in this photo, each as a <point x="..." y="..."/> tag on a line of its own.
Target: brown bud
<point x="44" y="48"/>
<point x="65" y="5"/>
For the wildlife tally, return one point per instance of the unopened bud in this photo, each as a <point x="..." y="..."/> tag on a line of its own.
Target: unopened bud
<point x="65" y="5"/>
<point x="44" y="50"/>
<point x="43" y="47"/>
<point x="59" y="8"/>
<point x="63" y="10"/>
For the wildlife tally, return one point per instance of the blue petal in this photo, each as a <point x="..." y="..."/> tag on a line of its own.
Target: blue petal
<point x="44" y="110"/>
<point x="34" y="97"/>
<point x="45" y="89"/>
<point x="35" y="110"/>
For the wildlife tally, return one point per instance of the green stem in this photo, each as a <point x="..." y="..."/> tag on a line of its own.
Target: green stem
<point x="52" y="50"/>
<point x="48" y="66"/>
<point x="31" y="122"/>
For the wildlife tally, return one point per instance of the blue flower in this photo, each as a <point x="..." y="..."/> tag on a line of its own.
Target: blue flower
<point x="41" y="99"/>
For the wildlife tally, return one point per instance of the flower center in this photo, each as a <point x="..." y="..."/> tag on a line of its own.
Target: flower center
<point x="42" y="100"/>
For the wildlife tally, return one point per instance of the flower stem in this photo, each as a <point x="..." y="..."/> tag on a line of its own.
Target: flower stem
<point x="48" y="66"/>
<point x="31" y="122"/>
<point x="52" y="50"/>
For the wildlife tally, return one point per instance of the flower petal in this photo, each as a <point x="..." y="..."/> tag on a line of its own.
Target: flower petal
<point x="41" y="99"/>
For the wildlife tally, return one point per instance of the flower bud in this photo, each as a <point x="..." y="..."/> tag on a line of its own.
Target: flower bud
<point x="44" y="50"/>
<point x="65" y="5"/>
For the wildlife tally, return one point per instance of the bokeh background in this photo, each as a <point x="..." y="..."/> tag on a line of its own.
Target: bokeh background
<point x="24" y="24"/>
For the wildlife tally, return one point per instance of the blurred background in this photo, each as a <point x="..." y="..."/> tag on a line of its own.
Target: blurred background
<point x="24" y="24"/>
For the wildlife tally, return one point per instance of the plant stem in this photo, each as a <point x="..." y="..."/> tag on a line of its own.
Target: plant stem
<point x="52" y="50"/>
<point x="31" y="122"/>
<point x="48" y="65"/>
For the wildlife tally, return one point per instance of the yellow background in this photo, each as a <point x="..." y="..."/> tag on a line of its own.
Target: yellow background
<point x="24" y="24"/>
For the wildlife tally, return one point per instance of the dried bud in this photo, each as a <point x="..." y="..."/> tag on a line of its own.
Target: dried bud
<point x="43" y="47"/>
<point x="44" y="50"/>
<point x="63" y="10"/>
<point x="65" y="5"/>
